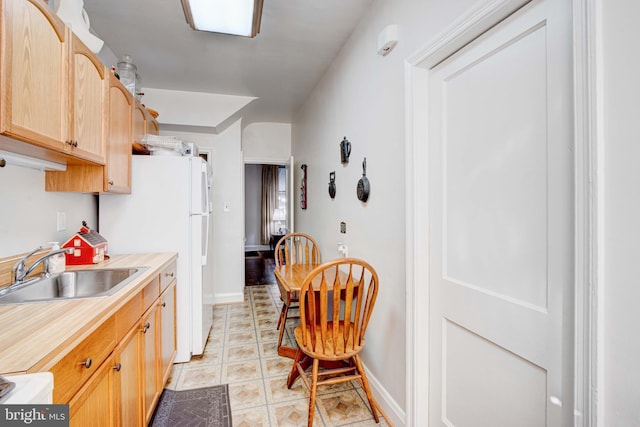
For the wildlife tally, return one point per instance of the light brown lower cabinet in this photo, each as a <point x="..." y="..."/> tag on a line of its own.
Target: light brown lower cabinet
<point x="124" y="390"/>
<point x="150" y="338"/>
<point x="93" y="404"/>
<point x="129" y="396"/>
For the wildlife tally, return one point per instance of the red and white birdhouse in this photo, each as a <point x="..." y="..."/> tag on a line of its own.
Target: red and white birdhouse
<point x="89" y="247"/>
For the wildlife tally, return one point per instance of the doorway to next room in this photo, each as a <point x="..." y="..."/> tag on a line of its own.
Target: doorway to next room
<point x="265" y="219"/>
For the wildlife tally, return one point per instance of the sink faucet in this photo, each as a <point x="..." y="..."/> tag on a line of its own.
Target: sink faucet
<point x="20" y="270"/>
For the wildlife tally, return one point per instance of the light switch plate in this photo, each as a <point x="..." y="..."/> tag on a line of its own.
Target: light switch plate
<point x="61" y="221"/>
<point x="227" y="207"/>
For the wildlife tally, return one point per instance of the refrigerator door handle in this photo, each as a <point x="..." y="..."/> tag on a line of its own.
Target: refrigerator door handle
<point x="206" y="211"/>
<point x="206" y="218"/>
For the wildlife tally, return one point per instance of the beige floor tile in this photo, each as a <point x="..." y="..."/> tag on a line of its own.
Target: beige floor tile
<point x="215" y="341"/>
<point x="267" y="323"/>
<point x="277" y="391"/>
<point x="276" y="366"/>
<point x="268" y="334"/>
<point x="241" y="371"/>
<point x="240" y="337"/>
<point x="268" y="349"/>
<point x="342" y="408"/>
<point x="293" y="414"/>
<point x="247" y="394"/>
<point x="266" y="312"/>
<point x="241" y="352"/>
<point x="197" y="377"/>
<point x="241" y="324"/>
<point x="336" y="388"/>
<point x="210" y="356"/>
<point x="253" y="417"/>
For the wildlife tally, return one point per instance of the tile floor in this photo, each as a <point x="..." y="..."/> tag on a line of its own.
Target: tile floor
<point x="241" y="351"/>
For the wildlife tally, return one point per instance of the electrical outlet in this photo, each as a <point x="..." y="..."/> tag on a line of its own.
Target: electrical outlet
<point x="61" y="221"/>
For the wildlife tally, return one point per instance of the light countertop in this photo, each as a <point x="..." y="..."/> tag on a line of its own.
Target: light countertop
<point x="34" y="336"/>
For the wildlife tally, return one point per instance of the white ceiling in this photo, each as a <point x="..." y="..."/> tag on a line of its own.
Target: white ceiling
<point x="280" y="66"/>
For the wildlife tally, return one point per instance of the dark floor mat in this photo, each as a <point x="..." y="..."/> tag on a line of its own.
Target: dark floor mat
<point x="202" y="407"/>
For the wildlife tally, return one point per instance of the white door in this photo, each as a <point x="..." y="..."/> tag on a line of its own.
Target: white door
<point x="501" y="249"/>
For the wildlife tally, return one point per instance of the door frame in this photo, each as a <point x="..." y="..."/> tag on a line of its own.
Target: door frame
<point x="589" y="203"/>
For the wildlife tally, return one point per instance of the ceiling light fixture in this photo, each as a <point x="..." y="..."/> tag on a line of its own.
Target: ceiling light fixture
<point x="237" y="17"/>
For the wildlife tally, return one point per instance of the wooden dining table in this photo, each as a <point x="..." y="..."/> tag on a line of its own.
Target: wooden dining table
<point x="291" y="277"/>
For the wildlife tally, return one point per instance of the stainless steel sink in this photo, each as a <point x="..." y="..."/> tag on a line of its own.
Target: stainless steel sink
<point x="74" y="284"/>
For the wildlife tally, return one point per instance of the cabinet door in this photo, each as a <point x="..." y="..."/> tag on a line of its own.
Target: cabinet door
<point x="150" y="380"/>
<point x="168" y="331"/>
<point x="139" y="122"/>
<point x="128" y="389"/>
<point x="153" y="127"/>
<point x="89" y="98"/>
<point x="34" y="56"/>
<point x="93" y="404"/>
<point x="118" y="169"/>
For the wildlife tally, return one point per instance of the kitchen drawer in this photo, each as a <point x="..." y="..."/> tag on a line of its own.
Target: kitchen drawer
<point x="150" y="293"/>
<point x="128" y="316"/>
<point x="167" y="276"/>
<point x="70" y="373"/>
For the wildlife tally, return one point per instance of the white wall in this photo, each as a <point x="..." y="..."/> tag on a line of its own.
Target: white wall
<point x="227" y="269"/>
<point x="266" y="142"/>
<point x="361" y="96"/>
<point x="621" y="108"/>
<point x="252" y="202"/>
<point x="28" y="213"/>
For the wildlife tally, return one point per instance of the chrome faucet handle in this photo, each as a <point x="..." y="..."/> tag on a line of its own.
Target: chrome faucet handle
<point x="19" y="267"/>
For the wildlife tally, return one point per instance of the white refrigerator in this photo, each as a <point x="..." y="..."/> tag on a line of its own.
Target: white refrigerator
<point x="168" y="210"/>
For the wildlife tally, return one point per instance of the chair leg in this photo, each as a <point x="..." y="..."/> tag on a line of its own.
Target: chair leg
<point x="293" y="375"/>
<point x="312" y="394"/>
<point x="285" y="309"/>
<point x="365" y="385"/>
<point x="282" y="313"/>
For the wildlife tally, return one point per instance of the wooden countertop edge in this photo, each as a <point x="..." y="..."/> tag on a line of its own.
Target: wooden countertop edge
<point x="89" y="310"/>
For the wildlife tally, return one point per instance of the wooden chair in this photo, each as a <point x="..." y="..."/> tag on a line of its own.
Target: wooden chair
<point x="293" y="248"/>
<point x="336" y="301"/>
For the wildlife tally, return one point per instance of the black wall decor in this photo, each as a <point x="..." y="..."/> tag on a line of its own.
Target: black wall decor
<point x="345" y="150"/>
<point x="303" y="187"/>
<point x="362" y="190"/>
<point x="332" y="184"/>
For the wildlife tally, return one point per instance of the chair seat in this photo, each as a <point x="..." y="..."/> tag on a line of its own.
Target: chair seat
<point x="332" y="350"/>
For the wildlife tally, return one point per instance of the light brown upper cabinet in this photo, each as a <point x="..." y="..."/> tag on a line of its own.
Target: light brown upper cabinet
<point x="152" y="127"/>
<point x="115" y="175"/>
<point x="118" y="170"/>
<point x="54" y="88"/>
<point x="89" y="83"/>
<point x="143" y="123"/>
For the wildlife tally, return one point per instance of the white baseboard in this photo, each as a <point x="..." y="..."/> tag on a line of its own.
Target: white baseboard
<point x="396" y="415"/>
<point x="208" y="299"/>
<point x="228" y="298"/>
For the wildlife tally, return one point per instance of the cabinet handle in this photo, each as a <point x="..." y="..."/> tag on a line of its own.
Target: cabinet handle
<point x="110" y="182"/>
<point x="87" y="363"/>
<point x="164" y="304"/>
<point x="169" y="274"/>
<point x="146" y="327"/>
<point x="74" y="143"/>
<point x="118" y="367"/>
